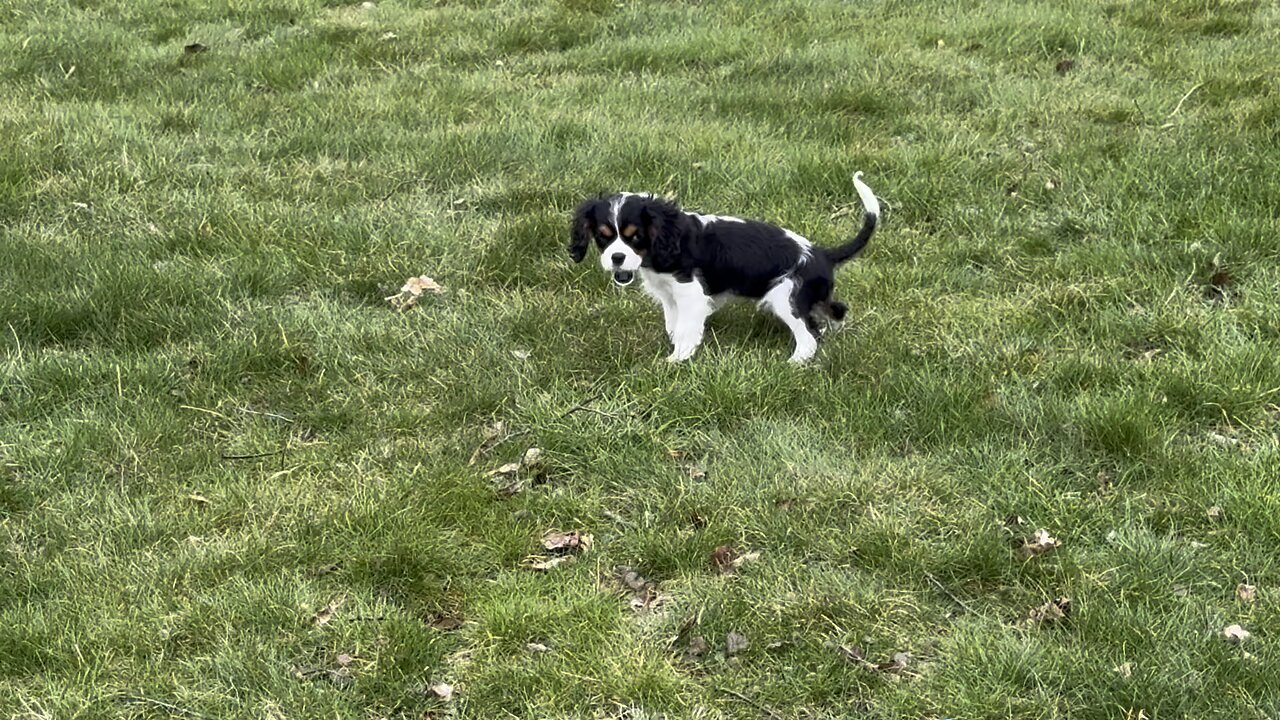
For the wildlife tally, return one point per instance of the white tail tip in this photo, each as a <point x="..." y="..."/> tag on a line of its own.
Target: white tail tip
<point x="869" y="201"/>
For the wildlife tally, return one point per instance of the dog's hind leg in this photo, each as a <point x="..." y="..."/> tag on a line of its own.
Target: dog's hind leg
<point x="782" y="301"/>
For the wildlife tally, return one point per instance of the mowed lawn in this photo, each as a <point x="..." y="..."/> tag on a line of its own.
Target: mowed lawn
<point x="235" y="482"/>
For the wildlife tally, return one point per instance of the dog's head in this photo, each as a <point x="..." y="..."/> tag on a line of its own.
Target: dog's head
<point x="632" y="231"/>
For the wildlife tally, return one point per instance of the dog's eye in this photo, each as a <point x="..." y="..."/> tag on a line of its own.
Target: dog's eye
<point x="629" y="232"/>
<point x="606" y="231"/>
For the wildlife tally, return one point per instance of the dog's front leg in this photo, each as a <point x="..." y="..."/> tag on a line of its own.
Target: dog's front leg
<point x="691" y="309"/>
<point x="671" y="317"/>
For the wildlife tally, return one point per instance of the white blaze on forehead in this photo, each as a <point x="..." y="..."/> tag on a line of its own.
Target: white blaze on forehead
<point x="616" y="203"/>
<point x="615" y="206"/>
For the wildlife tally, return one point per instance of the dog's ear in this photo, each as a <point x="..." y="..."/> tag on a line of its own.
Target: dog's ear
<point x="664" y="227"/>
<point x="580" y="232"/>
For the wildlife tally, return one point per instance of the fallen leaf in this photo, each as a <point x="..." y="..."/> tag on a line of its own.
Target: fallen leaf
<point x="389" y="36"/>
<point x="412" y="290"/>
<point x="644" y="593"/>
<point x="1123" y="670"/>
<point x="537" y="648"/>
<point x="198" y="499"/>
<point x="898" y="663"/>
<point x="345" y="659"/>
<point x="745" y="558"/>
<point x="1064" y="66"/>
<point x="329" y="569"/>
<point x="1236" y="634"/>
<point x="194" y="48"/>
<point x="508" y="469"/>
<point x="696" y="473"/>
<point x="852" y="653"/>
<point x="530" y="461"/>
<point x="1050" y="612"/>
<point x="488" y="439"/>
<point x="446" y="623"/>
<point x="567" y="542"/>
<point x="722" y="559"/>
<point x="1041" y="543"/>
<point x="1225" y="441"/>
<point x="520" y="354"/>
<point x="1220" y="283"/>
<point x="1214" y="513"/>
<point x="549" y="563"/>
<point x="325" y="614"/>
<point x="735" y="643"/>
<point x="697" y="649"/>
<point x="1246" y="593"/>
<point x="444" y="691"/>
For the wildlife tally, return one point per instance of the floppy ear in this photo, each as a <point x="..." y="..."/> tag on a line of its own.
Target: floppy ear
<point x="664" y="227"/>
<point x="580" y="231"/>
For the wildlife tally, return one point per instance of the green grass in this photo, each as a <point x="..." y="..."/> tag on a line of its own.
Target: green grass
<point x="195" y="248"/>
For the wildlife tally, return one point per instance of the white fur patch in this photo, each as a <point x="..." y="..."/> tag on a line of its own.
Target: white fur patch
<point x="806" y="247"/>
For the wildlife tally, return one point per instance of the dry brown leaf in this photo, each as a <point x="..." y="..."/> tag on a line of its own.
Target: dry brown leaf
<point x="446" y="622"/>
<point x="898" y="663"/>
<point x="644" y="593"/>
<point x="735" y="643"/>
<point x="488" y="439"/>
<point x="1050" y="612"/>
<point x="1246" y="593"/>
<point x="508" y="469"/>
<point x="444" y="691"/>
<point x="567" y="542"/>
<point x="543" y="564"/>
<point x="1064" y="66"/>
<point x="1039" y="544"/>
<point x="412" y="290"/>
<point x="722" y="559"/>
<point x="697" y="649"/>
<point x="1236" y="634"/>
<point x="325" y="614"/>
<point x="852" y="653"/>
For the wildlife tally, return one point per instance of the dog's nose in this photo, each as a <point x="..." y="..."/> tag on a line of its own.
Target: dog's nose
<point x="617" y="258"/>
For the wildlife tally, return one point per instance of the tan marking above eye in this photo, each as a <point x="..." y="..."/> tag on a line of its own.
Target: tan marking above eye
<point x="629" y="231"/>
<point x="606" y="231"/>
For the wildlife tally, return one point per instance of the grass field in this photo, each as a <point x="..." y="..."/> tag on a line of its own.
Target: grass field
<point x="235" y="483"/>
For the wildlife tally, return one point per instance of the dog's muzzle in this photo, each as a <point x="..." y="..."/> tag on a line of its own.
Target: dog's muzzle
<point x="623" y="278"/>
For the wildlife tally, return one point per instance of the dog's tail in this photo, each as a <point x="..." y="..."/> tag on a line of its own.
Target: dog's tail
<point x="870" y="218"/>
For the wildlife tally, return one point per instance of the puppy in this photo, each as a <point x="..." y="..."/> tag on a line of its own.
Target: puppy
<point x="692" y="263"/>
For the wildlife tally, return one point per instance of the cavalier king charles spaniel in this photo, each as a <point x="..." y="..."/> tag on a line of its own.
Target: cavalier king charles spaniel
<point x="692" y="263"/>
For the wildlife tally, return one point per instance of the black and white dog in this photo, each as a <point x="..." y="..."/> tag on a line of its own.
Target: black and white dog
<point x="692" y="264"/>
